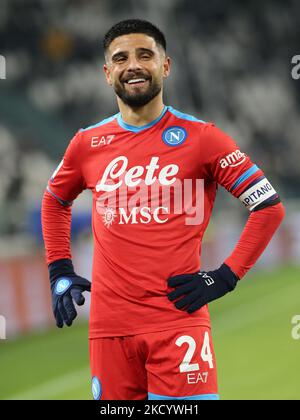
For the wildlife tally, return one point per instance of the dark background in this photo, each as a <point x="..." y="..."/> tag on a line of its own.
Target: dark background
<point x="231" y="65"/>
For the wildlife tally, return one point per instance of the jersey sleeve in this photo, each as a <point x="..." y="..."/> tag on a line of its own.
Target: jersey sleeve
<point x="67" y="181"/>
<point x="231" y="168"/>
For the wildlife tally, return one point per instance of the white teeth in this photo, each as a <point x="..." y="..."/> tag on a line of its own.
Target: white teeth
<point x="136" y="81"/>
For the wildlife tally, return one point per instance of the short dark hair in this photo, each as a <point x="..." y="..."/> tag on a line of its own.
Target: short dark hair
<point x="134" y="26"/>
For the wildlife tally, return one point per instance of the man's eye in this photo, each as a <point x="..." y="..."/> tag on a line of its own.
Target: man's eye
<point x="145" y="56"/>
<point x="120" y="59"/>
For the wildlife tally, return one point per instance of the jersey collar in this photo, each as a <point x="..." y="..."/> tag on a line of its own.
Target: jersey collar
<point x="137" y="129"/>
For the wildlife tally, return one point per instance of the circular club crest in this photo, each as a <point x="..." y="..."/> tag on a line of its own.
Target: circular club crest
<point x="62" y="285"/>
<point x="96" y="388"/>
<point x="174" y="136"/>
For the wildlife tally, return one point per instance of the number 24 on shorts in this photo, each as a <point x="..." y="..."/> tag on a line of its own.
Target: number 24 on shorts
<point x="206" y="354"/>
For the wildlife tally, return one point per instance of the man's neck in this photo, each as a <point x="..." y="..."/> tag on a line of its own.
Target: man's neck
<point x="143" y="115"/>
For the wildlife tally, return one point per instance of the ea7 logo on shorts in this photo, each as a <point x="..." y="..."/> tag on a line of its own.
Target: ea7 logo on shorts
<point x="233" y="159"/>
<point x="98" y="141"/>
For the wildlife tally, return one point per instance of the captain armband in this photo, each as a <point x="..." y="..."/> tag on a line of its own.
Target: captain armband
<point x="259" y="195"/>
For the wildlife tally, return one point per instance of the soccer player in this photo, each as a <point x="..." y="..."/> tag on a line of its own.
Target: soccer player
<point x="153" y="172"/>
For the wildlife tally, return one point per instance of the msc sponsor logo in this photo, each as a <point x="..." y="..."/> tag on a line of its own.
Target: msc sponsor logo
<point x="135" y="215"/>
<point x="174" y="136"/>
<point x="144" y="215"/>
<point x="233" y="159"/>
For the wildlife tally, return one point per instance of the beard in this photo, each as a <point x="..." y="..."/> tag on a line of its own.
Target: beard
<point x="138" y="99"/>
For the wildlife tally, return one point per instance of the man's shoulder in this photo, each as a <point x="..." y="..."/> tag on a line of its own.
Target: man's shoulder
<point x="201" y="129"/>
<point x="185" y="116"/>
<point x="103" y="124"/>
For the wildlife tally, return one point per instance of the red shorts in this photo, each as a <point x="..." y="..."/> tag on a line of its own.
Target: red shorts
<point x="173" y="364"/>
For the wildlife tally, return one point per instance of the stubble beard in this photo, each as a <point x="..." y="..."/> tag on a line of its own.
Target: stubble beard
<point x="138" y="99"/>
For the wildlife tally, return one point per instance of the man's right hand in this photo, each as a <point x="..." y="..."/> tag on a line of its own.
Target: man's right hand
<point x="66" y="286"/>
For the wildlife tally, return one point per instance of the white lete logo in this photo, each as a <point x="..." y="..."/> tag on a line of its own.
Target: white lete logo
<point x="233" y="159"/>
<point x="296" y="328"/>
<point x="118" y="168"/>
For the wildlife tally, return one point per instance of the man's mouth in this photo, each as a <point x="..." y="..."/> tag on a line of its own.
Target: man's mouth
<point x="136" y="81"/>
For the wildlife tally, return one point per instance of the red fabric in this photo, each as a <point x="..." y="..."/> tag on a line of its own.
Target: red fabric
<point x="56" y="223"/>
<point x="136" y="251"/>
<point x="127" y="368"/>
<point x="255" y="237"/>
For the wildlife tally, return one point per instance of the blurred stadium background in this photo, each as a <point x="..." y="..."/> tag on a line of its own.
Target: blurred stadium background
<point x="231" y="65"/>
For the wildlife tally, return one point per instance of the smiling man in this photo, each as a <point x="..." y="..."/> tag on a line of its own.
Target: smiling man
<point x="153" y="172"/>
<point x="137" y="84"/>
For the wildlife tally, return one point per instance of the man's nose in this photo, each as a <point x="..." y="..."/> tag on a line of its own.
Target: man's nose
<point x="133" y="63"/>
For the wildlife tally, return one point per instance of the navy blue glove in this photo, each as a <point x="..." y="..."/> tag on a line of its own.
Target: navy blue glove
<point x="66" y="286"/>
<point x="198" y="289"/>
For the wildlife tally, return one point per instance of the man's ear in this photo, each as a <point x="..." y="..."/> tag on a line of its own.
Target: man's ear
<point x="167" y="67"/>
<point x="107" y="74"/>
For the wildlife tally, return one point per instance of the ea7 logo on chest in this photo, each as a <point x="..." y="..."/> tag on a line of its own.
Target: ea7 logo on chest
<point x="233" y="159"/>
<point x="98" y="141"/>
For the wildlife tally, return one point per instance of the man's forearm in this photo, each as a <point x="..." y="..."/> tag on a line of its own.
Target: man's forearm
<point x="56" y="225"/>
<point x="255" y="237"/>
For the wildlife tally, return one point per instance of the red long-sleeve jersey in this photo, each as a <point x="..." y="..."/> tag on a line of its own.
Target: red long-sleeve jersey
<point x="153" y="192"/>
